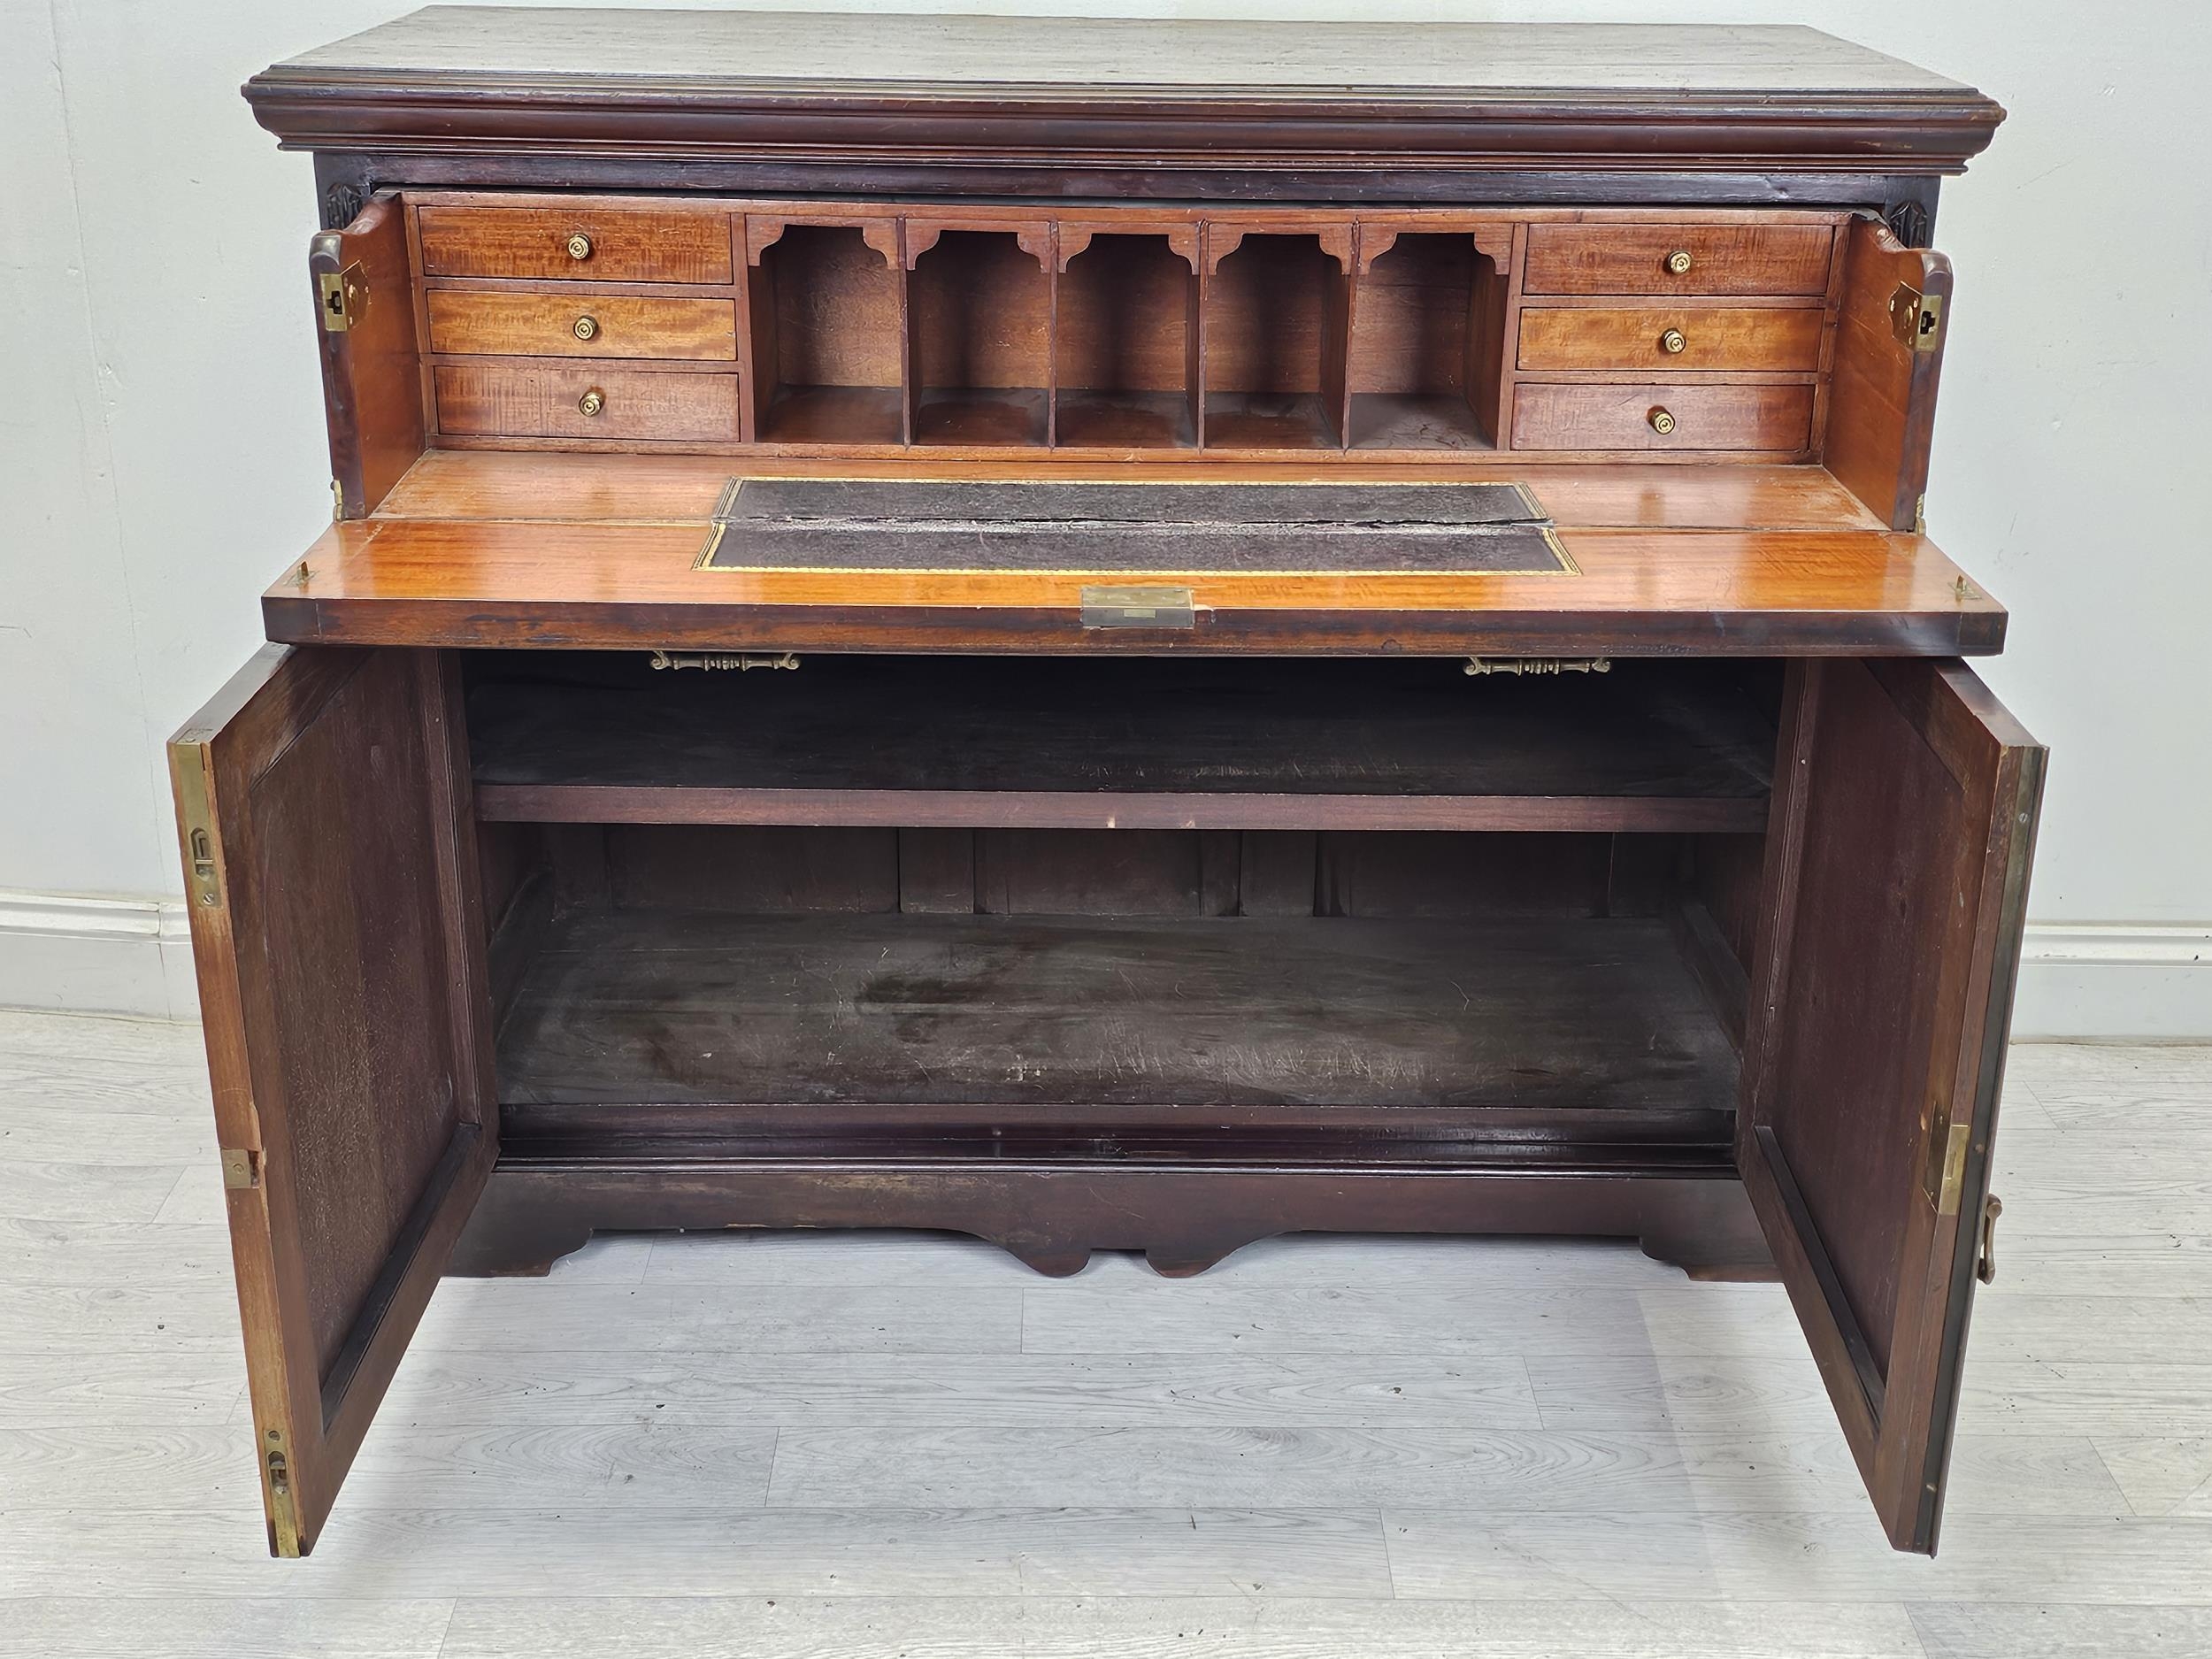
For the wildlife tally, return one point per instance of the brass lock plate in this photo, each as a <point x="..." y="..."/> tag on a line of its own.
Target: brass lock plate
<point x="1139" y="608"/>
<point x="1915" y="318"/>
<point x="344" y="295"/>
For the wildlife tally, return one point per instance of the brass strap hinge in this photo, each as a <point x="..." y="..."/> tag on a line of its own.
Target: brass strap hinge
<point x="1538" y="666"/>
<point x="242" y="1167"/>
<point x="1915" y="318"/>
<point x="202" y="874"/>
<point x="344" y="295"/>
<point x="284" y="1514"/>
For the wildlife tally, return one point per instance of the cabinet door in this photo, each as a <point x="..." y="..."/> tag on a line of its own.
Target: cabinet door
<point x="1903" y="821"/>
<point x="1889" y="356"/>
<point x="373" y="392"/>
<point x="321" y="802"/>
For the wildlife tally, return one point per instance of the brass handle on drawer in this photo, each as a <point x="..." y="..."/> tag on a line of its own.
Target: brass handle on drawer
<point x="579" y="246"/>
<point x="1661" y="421"/>
<point x="1678" y="261"/>
<point x="591" y="402"/>
<point x="1673" y="342"/>
<point x="588" y="326"/>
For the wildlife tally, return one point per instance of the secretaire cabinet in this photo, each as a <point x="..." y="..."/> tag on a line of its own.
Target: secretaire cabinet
<point x="1114" y="635"/>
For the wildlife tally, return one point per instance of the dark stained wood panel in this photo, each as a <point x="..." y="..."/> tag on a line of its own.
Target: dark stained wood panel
<point x="1225" y="744"/>
<point x="1053" y="97"/>
<point x="660" y="1006"/>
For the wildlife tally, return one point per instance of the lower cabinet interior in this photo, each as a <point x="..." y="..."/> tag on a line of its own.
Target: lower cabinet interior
<point x="873" y="907"/>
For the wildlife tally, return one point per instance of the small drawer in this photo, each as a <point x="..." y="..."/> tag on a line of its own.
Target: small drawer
<point x="513" y="401"/>
<point x="1711" y="260"/>
<point x="1669" y="339"/>
<point x="574" y="325"/>
<point x="583" y="243"/>
<point x="1708" y="417"/>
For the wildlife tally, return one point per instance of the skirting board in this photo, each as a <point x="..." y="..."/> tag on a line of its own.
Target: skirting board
<point x="2082" y="981"/>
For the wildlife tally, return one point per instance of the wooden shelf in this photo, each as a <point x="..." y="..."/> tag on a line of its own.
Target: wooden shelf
<point x="644" y="1006"/>
<point x="1131" y="744"/>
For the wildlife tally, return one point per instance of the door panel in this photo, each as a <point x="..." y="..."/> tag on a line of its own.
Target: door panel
<point x="373" y="392"/>
<point x="1903" y="825"/>
<point x="322" y="802"/>
<point x="1889" y="356"/>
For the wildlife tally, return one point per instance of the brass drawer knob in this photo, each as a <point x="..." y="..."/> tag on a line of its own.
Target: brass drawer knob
<point x="1672" y="342"/>
<point x="591" y="402"/>
<point x="580" y="247"/>
<point x="1661" y="421"/>
<point x="1678" y="261"/>
<point x="588" y="328"/>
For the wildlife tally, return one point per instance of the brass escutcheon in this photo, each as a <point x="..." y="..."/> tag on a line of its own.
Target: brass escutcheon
<point x="579" y="246"/>
<point x="591" y="402"/>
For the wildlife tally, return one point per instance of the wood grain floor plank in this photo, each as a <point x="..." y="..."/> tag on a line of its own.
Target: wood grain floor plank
<point x="98" y="1254"/>
<point x="714" y="1550"/>
<point x="236" y="1627"/>
<point x="1976" y="1631"/>
<point x="733" y="1385"/>
<point x="506" y="1315"/>
<point x="1217" y="1627"/>
<point x="1756" y="1556"/>
<point x="2161" y="1475"/>
<point x="1433" y="1468"/>
<point x="86" y="1192"/>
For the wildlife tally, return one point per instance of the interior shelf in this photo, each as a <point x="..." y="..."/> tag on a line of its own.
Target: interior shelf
<point x="1125" y="346"/>
<point x="827" y="330"/>
<point x="979" y="334"/>
<point x="1425" y="346"/>
<point x="1601" y="1016"/>
<point x="1165" y="744"/>
<point x="1276" y="315"/>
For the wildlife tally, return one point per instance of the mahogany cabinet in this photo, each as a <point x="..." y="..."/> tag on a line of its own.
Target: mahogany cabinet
<point x="1365" y="660"/>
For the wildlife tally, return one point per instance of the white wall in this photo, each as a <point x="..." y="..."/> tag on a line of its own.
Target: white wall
<point x="161" y="446"/>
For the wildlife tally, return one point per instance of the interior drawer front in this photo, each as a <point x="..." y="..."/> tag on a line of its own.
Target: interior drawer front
<point x="1634" y="258"/>
<point x="513" y="400"/>
<point x="1639" y="337"/>
<point x="585" y="244"/>
<point x="1731" y="417"/>
<point x="572" y="325"/>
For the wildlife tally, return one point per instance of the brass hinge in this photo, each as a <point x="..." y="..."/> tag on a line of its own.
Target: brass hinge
<point x="1915" y="318"/>
<point x="344" y="294"/>
<point x="337" y="508"/>
<point x="743" y="662"/>
<point x="1920" y="513"/>
<point x="242" y="1167"/>
<point x="198" y="825"/>
<point x="284" y="1514"/>
<point x="1139" y="608"/>
<point x="1538" y="666"/>
<point x="1951" y="1174"/>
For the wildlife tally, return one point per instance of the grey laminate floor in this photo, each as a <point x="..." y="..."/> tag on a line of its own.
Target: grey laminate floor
<point x="882" y="1446"/>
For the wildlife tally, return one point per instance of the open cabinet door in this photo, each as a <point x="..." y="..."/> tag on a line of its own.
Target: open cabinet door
<point x="364" y="313"/>
<point x="1889" y="356"/>
<point x="322" y="802"/>
<point x="1903" y="823"/>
